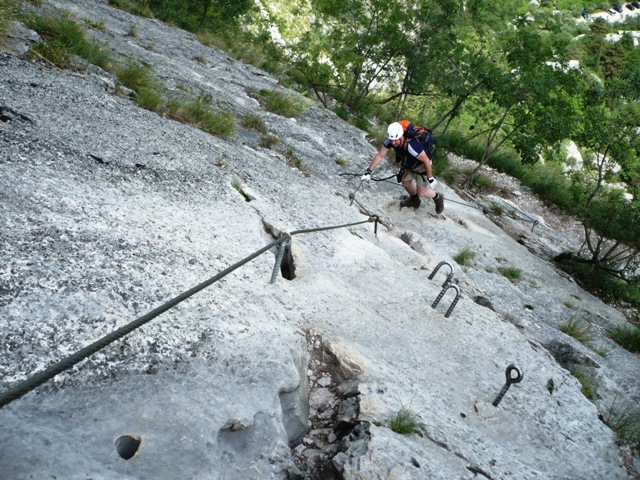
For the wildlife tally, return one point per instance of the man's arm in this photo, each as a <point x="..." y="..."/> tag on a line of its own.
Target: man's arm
<point x="378" y="158"/>
<point x="424" y="158"/>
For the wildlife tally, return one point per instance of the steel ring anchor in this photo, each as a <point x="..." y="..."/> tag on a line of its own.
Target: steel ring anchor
<point x="510" y="379"/>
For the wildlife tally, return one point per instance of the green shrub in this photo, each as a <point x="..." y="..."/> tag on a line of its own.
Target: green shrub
<point x="150" y="99"/>
<point x="133" y="31"/>
<point x="496" y="209"/>
<point x="506" y="162"/>
<point x="140" y="8"/>
<point x="483" y="183"/>
<point x="465" y="256"/>
<point x="63" y="38"/>
<point x="406" y="421"/>
<point x="628" y="337"/>
<point x="254" y="122"/>
<point x="589" y="387"/>
<point x="136" y="76"/>
<point x="286" y="104"/>
<point x="625" y="422"/>
<point x="220" y="123"/>
<point x="577" y="329"/>
<point x="269" y="140"/>
<point x="238" y="187"/>
<point x="197" y="109"/>
<point x="295" y="161"/>
<point x="9" y="12"/>
<point x="512" y="273"/>
<point x="606" y="287"/>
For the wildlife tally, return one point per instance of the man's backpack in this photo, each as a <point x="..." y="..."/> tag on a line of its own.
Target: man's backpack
<point x="422" y="134"/>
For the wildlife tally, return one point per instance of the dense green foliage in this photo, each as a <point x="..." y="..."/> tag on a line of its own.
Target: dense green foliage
<point x="8" y="13"/>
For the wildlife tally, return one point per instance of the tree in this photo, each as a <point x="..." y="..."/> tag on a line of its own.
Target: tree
<point x="533" y="98"/>
<point x="611" y="224"/>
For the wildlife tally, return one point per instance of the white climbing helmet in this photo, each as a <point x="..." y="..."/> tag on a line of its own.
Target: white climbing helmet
<point x="395" y="131"/>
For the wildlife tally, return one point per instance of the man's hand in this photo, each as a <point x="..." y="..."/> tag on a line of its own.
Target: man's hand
<point x="367" y="176"/>
<point x="432" y="182"/>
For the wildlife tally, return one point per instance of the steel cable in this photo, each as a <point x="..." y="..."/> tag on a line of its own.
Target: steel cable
<point x="48" y="373"/>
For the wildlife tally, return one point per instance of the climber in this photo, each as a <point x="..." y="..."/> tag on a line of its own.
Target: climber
<point x="416" y="175"/>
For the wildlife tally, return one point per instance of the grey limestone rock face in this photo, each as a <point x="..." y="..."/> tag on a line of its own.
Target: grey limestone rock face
<point x="108" y="210"/>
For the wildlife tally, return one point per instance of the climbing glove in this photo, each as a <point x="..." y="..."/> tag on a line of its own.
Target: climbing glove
<point x="432" y="182"/>
<point x="367" y="176"/>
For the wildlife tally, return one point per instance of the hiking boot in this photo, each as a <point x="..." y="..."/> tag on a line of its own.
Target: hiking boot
<point x="439" y="201"/>
<point x="411" y="202"/>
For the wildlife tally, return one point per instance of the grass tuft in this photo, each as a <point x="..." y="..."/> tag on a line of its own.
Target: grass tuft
<point x="577" y="329"/>
<point x="254" y="122"/>
<point x="589" y="387"/>
<point x="238" y="188"/>
<point x="9" y="12"/>
<point x="136" y="76"/>
<point x="406" y="421"/>
<point x="465" y="256"/>
<point x="62" y="39"/>
<point x="513" y="274"/>
<point x="286" y="104"/>
<point x="625" y="422"/>
<point x="295" y="161"/>
<point x="628" y="337"/>
<point x="136" y="8"/>
<point x="269" y="140"/>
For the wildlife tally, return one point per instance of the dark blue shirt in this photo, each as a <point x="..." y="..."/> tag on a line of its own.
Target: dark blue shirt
<point x="407" y="154"/>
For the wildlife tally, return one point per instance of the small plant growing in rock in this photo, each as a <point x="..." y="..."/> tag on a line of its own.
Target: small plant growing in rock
<point x="569" y="304"/>
<point x="628" y="337"/>
<point x="198" y="111"/>
<point x="465" y="256"/>
<point x="295" y="161"/>
<point x="238" y="187"/>
<point x="254" y="122"/>
<point x="406" y="421"/>
<point x="64" y="38"/>
<point x="603" y="351"/>
<point x="589" y="387"/>
<point x="286" y="104"/>
<point x="137" y="8"/>
<point x="8" y="12"/>
<point x="341" y="161"/>
<point x="625" y="422"/>
<point x="221" y="162"/>
<point x="268" y="140"/>
<point x="200" y="59"/>
<point x="496" y="209"/>
<point x="95" y="24"/>
<point x="551" y="386"/>
<point x="133" y="31"/>
<point x="483" y="183"/>
<point x="150" y="99"/>
<point x="136" y="76"/>
<point x="513" y="274"/>
<point x="577" y="329"/>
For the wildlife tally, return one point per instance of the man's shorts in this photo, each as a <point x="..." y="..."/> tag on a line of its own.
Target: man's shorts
<point x="421" y="179"/>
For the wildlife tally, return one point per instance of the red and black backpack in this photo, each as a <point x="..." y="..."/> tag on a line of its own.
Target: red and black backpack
<point x="422" y="134"/>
